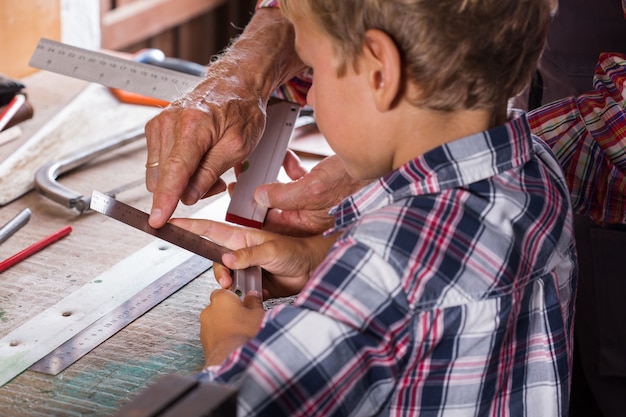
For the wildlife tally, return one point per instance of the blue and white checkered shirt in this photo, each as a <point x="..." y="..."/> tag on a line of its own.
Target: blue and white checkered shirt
<point x="449" y="293"/>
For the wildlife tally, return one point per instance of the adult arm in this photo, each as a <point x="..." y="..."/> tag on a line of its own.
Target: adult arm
<point x="588" y="136"/>
<point x="201" y="135"/>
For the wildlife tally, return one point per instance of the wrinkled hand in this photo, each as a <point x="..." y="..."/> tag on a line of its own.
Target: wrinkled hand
<point x="228" y="323"/>
<point x="195" y="140"/>
<point x="199" y="137"/>
<point x="300" y="207"/>
<point x="289" y="261"/>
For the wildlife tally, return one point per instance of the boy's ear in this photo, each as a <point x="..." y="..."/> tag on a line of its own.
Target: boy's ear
<point x="383" y="68"/>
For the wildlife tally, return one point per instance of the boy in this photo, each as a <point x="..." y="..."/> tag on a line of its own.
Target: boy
<point x="448" y="286"/>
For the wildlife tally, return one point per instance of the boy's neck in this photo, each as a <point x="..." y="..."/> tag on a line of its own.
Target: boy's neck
<point x="423" y="130"/>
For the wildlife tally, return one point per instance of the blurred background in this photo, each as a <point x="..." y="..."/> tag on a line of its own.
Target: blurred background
<point x="190" y="29"/>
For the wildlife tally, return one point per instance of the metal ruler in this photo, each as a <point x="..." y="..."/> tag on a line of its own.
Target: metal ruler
<point x="99" y="303"/>
<point x="138" y="219"/>
<point x="114" y="321"/>
<point x="112" y="71"/>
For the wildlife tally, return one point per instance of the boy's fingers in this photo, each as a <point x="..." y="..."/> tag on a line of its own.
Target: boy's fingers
<point x="222" y="275"/>
<point x="253" y="300"/>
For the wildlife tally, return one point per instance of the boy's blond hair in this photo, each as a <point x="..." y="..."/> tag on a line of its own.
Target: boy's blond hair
<point x="464" y="54"/>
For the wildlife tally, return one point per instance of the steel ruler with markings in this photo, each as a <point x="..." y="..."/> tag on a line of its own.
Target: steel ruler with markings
<point x="112" y="71"/>
<point x="138" y="219"/>
<point x="147" y="298"/>
<point x="63" y="333"/>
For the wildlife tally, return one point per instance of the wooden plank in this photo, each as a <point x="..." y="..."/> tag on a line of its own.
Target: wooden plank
<point x="163" y="341"/>
<point x="143" y="19"/>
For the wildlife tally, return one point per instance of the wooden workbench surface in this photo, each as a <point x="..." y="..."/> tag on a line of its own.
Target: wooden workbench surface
<point x="163" y="341"/>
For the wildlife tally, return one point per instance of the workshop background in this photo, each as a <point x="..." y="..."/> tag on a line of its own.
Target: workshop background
<point x="188" y="29"/>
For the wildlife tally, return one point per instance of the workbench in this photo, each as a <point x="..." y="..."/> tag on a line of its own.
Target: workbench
<point x="165" y="340"/>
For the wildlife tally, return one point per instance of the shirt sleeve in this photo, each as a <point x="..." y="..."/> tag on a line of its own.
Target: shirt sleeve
<point x="588" y="136"/>
<point x="266" y="3"/>
<point x="294" y="90"/>
<point x="329" y="351"/>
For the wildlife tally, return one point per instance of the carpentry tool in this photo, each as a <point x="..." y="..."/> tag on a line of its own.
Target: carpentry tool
<point x="7" y="114"/>
<point x="33" y="340"/>
<point x="243" y="280"/>
<point x="114" y="321"/>
<point x="261" y="167"/>
<point x="34" y="248"/>
<point x="67" y="132"/>
<point x="15" y="224"/>
<point x="46" y="176"/>
<point x="157" y="57"/>
<point x="173" y="234"/>
<point x="112" y="71"/>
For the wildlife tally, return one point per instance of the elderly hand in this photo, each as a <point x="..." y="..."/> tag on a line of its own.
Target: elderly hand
<point x="300" y="207"/>
<point x="197" y="138"/>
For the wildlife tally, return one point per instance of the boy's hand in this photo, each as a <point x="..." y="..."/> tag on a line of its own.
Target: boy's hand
<point x="288" y="260"/>
<point x="228" y="323"/>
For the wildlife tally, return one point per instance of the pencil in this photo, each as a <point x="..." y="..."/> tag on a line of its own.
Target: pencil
<point x="34" y="248"/>
<point x="11" y="108"/>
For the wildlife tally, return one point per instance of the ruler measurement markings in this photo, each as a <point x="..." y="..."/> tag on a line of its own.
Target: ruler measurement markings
<point x="111" y="323"/>
<point x="45" y="332"/>
<point x="112" y="71"/>
<point x="138" y="219"/>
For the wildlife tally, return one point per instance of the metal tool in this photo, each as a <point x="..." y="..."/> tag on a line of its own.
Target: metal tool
<point x="24" y="346"/>
<point x="175" y="235"/>
<point x="157" y="57"/>
<point x="46" y="176"/>
<point x="243" y="280"/>
<point x="114" y="321"/>
<point x="111" y="71"/>
<point x="15" y="224"/>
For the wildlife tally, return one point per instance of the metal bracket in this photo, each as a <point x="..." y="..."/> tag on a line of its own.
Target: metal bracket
<point x="46" y="176"/>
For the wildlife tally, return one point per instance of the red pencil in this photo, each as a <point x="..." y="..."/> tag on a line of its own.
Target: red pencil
<point x="34" y="248"/>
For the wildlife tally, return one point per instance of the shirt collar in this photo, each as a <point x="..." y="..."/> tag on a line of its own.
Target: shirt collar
<point x="455" y="164"/>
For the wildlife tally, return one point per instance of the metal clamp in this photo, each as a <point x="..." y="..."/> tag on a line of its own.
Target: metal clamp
<point x="46" y="176"/>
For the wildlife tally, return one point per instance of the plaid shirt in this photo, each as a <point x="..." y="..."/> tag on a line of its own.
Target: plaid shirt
<point x="449" y="293"/>
<point x="588" y="136"/>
